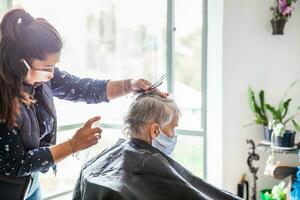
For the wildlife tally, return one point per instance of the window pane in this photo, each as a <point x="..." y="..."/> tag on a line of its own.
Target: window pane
<point x="108" y="40"/>
<point x="68" y="169"/>
<point x="188" y="62"/>
<point x="189" y="152"/>
<point x="3" y="7"/>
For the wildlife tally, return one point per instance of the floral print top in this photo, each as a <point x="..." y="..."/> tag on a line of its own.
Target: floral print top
<point x="16" y="159"/>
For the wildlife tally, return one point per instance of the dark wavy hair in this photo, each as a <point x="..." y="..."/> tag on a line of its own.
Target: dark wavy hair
<point x="21" y="36"/>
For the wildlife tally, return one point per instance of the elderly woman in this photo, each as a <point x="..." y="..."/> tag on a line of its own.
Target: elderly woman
<point x="135" y="169"/>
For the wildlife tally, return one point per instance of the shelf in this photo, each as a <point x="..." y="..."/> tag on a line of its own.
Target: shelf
<point x="267" y="148"/>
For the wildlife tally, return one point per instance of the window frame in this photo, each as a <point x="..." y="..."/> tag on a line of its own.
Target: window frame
<point x="171" y="28"/>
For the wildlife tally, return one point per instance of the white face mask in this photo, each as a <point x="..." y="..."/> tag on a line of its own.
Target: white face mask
<point x="37" y="76"/>
<point x="164" y="143"/>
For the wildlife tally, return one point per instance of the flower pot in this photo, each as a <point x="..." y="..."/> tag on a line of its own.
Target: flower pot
<point x="287" y="140"/>
<point x="278" y="26"/>
<point x="267" y="134"/>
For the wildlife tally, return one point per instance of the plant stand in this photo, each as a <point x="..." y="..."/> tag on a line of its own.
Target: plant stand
<point x="253" y="170"/>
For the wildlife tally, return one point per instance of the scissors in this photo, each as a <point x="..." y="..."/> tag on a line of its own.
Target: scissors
<point x="154" y="85"/>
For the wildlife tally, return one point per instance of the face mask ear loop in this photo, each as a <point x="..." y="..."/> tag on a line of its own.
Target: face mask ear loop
<point x="156" y="134"/>
<point x="25" y="63"/>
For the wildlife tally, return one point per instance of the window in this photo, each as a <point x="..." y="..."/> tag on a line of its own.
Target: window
<point x="188" y="62"/>
<point x="4" y="5"/>
<point x="120" y="39"/>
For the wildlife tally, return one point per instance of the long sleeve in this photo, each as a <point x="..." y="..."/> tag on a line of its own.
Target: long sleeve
<point x="15" y="160"/>
<point x="69" y="87"/>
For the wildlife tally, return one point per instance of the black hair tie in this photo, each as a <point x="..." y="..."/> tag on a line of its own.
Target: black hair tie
<point x="26" y="19"/>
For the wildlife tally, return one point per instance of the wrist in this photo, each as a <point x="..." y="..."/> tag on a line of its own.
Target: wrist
<point x="73" y="146"/>
<point x="127" y="86"/>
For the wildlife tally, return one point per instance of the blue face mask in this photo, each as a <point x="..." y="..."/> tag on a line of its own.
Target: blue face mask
<point x="165" y="143"/>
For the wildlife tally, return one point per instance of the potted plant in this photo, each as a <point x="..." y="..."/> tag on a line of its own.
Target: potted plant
<point x="278" y="192"/>
<point x="281" y="10"/>
<point x="275" y="119"/>
<point x="281" y="135"/>
<point x="259" y="111"/>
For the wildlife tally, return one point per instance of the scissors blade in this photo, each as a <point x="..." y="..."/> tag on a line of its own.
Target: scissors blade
<point x="159" y="80"/>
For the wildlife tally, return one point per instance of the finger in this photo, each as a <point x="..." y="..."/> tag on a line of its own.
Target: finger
<point x="94" y="137"/>
<point x="150" y="91"/>
<point x="94" y="142"/>
<point x="98" y="136"/>
<point x="146" y="81"/>
<point x="162" y="94"/>
<point x="90" y="122"/>
<point x="96" y="130"/>
<point x="143" y="84"/>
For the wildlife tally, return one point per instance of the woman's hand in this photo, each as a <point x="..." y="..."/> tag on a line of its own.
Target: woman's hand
<point x="143" y="84"/>
<point x="86" y="136"/>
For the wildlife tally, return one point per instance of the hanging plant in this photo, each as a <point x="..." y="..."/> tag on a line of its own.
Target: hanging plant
<point x="282" y="10"/>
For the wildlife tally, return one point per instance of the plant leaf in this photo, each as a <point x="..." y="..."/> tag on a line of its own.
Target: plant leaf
<point x="276" y="115"/>
<point x="284" y="108"/>
<point x="259" y="120"/>
<point x="287" y="90"/>
<point x="251" y="100"/>
<point x="296" y="125"/>
<point x="262" y="103"/>
<point x="260" y="115"/>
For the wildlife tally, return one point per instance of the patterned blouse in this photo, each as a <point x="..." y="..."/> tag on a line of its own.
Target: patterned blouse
<point x="15" y="159"/>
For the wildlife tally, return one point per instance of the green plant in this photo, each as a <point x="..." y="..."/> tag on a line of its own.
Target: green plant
<point x="279" y="192"/>
<point x="275" y="118"/>
<point x="258" y="108"/>
<point x="279" y="115"/>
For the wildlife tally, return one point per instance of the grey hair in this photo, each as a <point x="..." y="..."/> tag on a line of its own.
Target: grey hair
<point x="149" y="109"/>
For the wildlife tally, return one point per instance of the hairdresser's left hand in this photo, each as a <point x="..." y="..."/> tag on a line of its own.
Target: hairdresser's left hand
<point x="143" y="84"/>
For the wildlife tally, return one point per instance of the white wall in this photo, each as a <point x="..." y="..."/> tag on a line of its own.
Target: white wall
<point x="251" y="56"/>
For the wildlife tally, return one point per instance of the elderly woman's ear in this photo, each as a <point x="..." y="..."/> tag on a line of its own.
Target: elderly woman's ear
<point x="154" y="130"/>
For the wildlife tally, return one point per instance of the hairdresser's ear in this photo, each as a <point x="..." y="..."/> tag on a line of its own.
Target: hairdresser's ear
<point x="154" y="130"/>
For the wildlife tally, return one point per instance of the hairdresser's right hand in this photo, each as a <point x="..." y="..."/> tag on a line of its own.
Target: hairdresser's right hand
<point x="86" y="136"/>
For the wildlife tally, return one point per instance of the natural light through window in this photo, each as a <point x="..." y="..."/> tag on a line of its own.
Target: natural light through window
<point x="117" y="39"/>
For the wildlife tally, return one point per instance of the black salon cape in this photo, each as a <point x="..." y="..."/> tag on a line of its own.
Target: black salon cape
<point x="132" y="169"/>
